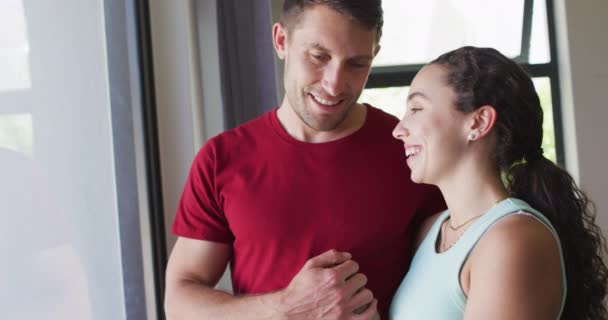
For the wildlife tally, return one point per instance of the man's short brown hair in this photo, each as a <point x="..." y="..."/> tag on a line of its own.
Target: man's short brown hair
<point x="366" y="12"/>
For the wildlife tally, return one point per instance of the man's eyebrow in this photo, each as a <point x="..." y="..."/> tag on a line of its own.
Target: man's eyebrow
<point x="364" y="57"/>
<point x="318" y="46"/>
<point x="415" y="94"/>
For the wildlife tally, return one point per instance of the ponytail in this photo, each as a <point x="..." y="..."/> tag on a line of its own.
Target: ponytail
<point x="552" y="191"/>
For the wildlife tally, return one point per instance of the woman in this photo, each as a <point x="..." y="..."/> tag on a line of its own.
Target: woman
<point x="518" y="240"/>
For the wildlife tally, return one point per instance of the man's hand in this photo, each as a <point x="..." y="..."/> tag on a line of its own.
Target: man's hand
<point x="329" y="287"/>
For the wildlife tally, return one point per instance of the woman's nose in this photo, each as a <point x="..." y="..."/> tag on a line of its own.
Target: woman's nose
<point x="400" y="132"/>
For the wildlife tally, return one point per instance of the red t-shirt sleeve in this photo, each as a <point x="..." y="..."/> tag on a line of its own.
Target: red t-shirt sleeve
<point x="199" y="212"/>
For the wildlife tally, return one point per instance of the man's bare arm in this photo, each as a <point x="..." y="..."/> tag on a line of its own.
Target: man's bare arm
<point x="328" y="286"/>
<point x="194" y="269"/>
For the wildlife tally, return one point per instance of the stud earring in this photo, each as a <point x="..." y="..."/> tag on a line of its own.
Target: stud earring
<point x="472" y="136"/>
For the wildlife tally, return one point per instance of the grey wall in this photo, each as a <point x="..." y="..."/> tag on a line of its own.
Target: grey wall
<point x="583" y="51"/>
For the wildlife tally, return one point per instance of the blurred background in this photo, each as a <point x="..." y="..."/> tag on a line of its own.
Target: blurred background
<point x="104" y="103"/>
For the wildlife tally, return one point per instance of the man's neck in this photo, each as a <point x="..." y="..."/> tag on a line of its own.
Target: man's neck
<point x="299" y="130"/>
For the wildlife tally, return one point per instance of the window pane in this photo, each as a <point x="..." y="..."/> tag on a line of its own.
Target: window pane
<point x="17" y="133"/>
<point x="539" y="39"/>
<point x="59" y="234"/>
<point x="418" y="31"/>
<point x="14" y="47"/>
<point x="392" y="100"/>
<point x="543" y="88"/>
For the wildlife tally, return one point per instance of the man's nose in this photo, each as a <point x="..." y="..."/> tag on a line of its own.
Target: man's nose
<point x="334" y="79"/>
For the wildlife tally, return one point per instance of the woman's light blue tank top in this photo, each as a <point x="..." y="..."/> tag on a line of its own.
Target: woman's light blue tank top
<point x="431" y="289"/>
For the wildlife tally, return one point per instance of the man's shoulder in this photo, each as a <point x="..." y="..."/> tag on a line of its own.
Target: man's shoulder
<point x="244" y="132"/>
<point x="380" y="116"/>
<point x="245" y="138"/>
<point x="381" y="122"/>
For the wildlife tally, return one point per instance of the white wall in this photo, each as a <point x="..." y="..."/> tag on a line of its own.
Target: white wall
<point x="583" y="44"/>
<point x="176" y="97"/>
<point x="188" y="100"/>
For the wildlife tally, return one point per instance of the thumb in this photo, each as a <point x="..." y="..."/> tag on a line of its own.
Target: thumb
<point x="328" y="259"/>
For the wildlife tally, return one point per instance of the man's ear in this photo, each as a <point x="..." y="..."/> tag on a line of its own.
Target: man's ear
<point x="482" y="121"/>
<point x="279" y="39"/>
<point x="376" y="50"/>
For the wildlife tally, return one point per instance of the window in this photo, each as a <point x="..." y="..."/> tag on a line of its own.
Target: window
<point x="14" y="47"/>
<point x="16" y="128"/>
<point x="416" y="32"/>
<point x="70" y="226"/>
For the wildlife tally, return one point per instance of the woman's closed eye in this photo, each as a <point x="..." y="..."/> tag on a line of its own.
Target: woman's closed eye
<point x="414" y="110"/>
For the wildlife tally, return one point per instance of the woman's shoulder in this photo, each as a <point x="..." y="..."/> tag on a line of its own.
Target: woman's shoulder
<point x="521" y="231"/>
<point x="520" y="255"/>
<point x="517" y="246"/>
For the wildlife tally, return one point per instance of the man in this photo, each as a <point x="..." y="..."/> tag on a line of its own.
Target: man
<point x="312" y="203"/>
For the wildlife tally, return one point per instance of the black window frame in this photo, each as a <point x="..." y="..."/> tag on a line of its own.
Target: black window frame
<point x="402" y="75"/>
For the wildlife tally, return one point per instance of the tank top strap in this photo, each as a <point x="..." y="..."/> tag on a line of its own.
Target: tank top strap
<point x="504" y="208"/>
<point x="429" y="242"/>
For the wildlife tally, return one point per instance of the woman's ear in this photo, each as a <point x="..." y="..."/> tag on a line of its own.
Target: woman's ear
<point x="482" y="121"/>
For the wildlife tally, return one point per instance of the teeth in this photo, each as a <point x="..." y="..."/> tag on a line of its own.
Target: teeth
<point x="412" y="151"/>
<point x="325" y="102"/>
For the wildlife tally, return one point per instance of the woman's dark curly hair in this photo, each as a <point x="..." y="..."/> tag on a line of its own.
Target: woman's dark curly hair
<point x="483" y="76"/>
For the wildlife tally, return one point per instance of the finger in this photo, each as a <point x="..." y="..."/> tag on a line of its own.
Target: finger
<point x="355" y="283"/>
<point x="346" y="269"/>
<point x="369" y="314"/>
<point x="361" y="301"/>
<point x="328" y="259"/>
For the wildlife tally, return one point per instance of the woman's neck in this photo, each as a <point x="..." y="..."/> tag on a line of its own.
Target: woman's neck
<point x="472" y="190"/>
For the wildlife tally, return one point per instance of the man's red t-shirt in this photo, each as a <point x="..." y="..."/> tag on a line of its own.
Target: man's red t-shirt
<point x="279" y="201"/>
